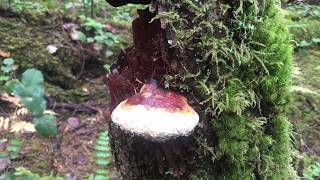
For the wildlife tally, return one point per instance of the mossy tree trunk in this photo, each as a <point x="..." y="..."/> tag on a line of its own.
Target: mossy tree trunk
<point x="232" y="59"/>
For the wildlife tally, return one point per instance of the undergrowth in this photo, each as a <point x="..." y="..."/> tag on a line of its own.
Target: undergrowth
<point x="312" y="172"/>
<point x="12" y="150"/>
<point x="305" y="24"/>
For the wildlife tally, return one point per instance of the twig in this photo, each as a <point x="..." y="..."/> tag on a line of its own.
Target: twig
<point x="75" y="107"/>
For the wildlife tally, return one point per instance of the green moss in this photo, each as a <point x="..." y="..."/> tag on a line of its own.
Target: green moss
<point x="304" y="110"/>
<point x="238" y="68"/>
<point x="26" y="38"/>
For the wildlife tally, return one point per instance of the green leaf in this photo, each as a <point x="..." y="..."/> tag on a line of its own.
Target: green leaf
<point x="91" y="177"/>
<point x="82" y="36"/>
<point x="109" y="53"/>
<point x="107" y="68"/>
<point x="25" y="174"/>
<point x="14" y="156"/>
<point x="90" y="40"/>
<point x="104" y="134"/>
<point x="6" y="69"/>
<point x="102" y="148"/>
<point x="13" y="148"/>
<point x="102" y="171"/>
<point x="104" y="137"/>
<point x="99" y="38"/>
<point x="304" y="43"/>
<point x="316" y="40"/>
<point x="109" y="42"/>
<point x="35" y="103"/>
<point x="4" y="78"/>
<point x="8" y="61"/>
<point x="102" y="142"/>
<point x="31" y="91"/>
<point x="102" y="162"/>
<point x="32" y="77"/>
<point x="3" y="155"/>
<point x="103" y="154"/>
<point x="16" y="142"/>
<point x="101" y="177"/>
<point x="10" y="86"/>
<point x="7" y="176"/>
<point x="46" y="125"/>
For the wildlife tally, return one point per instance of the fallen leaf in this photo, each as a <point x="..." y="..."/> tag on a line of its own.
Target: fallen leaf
<point x="22" y="126"/>
<point x="3" y="143"/>
<point x="12" y="99"/>
<point x="70" y="26"/>
<point x="52" y="49"/>
<point x="22" y="112"/>
<point x="73" y="122"/>
<point x="4" y="123"/>
<point x="4" y="54"/>
<point x="50" y="112"/>
<point x="302" y="90"/>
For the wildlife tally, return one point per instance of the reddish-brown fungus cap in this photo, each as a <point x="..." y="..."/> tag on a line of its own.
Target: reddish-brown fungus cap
<point x="156" y="114"/>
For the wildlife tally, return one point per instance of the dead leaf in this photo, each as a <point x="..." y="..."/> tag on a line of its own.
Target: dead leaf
<point x="73" y="122"/>
<point x="12" y="99"/>
<point x="22" y="126"/>
<point x="22" y="112"/>
<point x="4" y="54"/>
<point x="50" y="112"/>
<point x="3" y="143"/>
<point x="4" y="123"/>
<point x="70" y="26"/>
<point x="52" y="49"/>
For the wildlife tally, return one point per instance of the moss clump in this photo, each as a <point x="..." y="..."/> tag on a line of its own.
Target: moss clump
<point x="235" y="62"/>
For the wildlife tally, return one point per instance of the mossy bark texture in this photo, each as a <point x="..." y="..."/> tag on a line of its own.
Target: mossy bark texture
<point x="232" y="59"/>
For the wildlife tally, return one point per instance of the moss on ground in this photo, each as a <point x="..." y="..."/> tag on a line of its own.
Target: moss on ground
<point x="26" y="37"/>
<point x="305" y="109"/>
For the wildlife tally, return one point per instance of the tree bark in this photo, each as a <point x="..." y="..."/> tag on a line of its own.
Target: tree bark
<point x="232" y="60"/>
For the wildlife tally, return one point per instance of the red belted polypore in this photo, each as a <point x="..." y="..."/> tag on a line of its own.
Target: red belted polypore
<point x="155" y="114"/>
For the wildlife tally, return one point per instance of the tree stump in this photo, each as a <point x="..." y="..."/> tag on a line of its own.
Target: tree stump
<point x="231" y="60"/>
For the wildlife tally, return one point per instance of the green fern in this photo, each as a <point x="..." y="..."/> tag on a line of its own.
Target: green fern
<point x="22" y="173"/>
<point x="312" y="172"/>
<point x="102" y="156"/>
<point x="12" y="150"/>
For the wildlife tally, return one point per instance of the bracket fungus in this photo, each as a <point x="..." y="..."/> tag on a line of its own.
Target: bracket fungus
<point x="117" y="3"/>
<point x="155" y="114"/>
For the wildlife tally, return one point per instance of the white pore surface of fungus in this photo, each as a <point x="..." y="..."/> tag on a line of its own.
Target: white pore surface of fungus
<point x="155" y="123"/>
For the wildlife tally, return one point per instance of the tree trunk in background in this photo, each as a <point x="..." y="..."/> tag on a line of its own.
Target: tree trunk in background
<point x="232" y="59"/>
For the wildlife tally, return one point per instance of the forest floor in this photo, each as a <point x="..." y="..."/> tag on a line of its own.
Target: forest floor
<point x="76" y="91"/>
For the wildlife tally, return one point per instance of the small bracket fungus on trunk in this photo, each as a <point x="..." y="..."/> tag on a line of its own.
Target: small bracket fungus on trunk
<point x="151" y="132"/>
<point x="117" y="3"/>
<point x="156" y="115"/>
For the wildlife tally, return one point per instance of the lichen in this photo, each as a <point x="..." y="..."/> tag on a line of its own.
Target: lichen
<point x="236" y="64"/>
